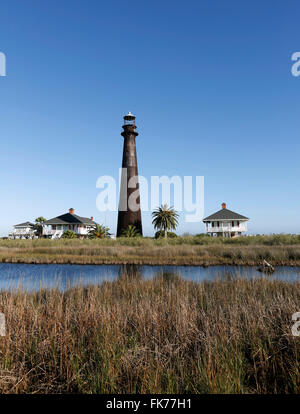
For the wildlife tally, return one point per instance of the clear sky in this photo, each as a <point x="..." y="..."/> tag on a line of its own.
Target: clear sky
<point x="209" y="82"/>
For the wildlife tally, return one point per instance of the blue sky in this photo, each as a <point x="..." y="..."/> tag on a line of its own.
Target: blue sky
<point x="209" y="82"/>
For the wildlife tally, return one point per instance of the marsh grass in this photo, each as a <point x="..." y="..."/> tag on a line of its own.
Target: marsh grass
<point x="164" y="335"/>
<point x="188" y="250"/>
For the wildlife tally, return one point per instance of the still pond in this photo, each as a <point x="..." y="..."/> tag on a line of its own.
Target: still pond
<point x="33" y="277"/>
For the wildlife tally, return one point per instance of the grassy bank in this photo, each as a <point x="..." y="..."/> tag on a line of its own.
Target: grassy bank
<point x="161" y="335"/>
<point x="197" y="250"/>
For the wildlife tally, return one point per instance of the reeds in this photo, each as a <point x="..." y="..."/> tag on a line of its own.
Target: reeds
<point x="163" y="335"/>
<point x="197" y="250"/>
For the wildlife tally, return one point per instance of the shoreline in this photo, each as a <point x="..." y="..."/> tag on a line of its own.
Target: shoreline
<point x="145" y="262"/>
<point x="182" y="251"/>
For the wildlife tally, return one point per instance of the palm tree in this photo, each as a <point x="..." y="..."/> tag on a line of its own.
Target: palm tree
<point x="131" y="231"/>
<point x="99" y="232"/>
<point x="39" y="221"/>
<point x="165" y="218"/>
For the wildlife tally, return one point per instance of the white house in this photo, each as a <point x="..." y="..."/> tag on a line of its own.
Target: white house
<point x="55" y="227"/>
<point x="225" y="223"/>
<point x="23" y="231"/>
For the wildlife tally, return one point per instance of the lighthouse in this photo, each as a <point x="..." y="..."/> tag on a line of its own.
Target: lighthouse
<point x="129" y="204"/>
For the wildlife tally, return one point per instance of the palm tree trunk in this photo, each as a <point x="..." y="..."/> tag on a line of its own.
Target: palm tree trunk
<point x="166" y="233"/>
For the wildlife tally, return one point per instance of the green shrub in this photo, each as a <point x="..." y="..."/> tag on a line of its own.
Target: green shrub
<point x="69" y="234"/>
<point x="160" y="233"/>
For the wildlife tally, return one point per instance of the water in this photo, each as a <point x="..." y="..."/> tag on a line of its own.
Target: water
<point x="33" y="277"/>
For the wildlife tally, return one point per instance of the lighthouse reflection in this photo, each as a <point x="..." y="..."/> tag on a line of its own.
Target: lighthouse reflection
<point x="130" y="271"/>
<point x="168" y="278"/>
<point x="137" y="272"/>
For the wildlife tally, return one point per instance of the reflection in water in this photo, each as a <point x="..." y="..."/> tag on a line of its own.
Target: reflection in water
<point x="33" y="277"/>
<point x="131" y="271"/>
<point x="228" y="276"/>
<point x="168" y="277"/>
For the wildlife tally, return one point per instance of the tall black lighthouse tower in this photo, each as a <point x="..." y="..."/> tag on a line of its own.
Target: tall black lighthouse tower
<point x="129" y="203"/>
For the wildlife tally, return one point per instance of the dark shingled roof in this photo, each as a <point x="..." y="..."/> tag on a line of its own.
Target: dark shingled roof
<point x="69" y="218"/>
<point x="225" y="214"/>
<point x="27" y="223"/>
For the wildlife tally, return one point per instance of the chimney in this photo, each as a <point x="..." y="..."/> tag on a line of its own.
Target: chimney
<point x="71" y="210"/>
<point x="92" y="218"/>
<point x="223" y="205"/>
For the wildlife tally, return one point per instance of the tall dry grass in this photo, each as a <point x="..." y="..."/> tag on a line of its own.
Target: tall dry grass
<point x="161" y="336"/>
<point x="197" y="250"/>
